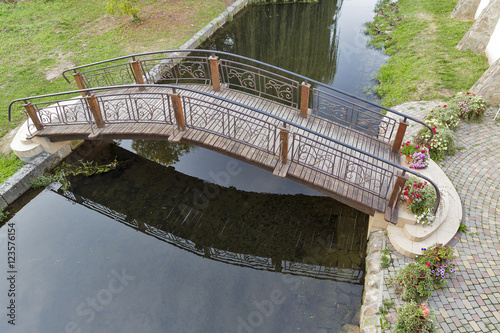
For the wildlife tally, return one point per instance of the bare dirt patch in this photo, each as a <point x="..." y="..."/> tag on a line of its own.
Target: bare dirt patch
<point x="163" y="25"/>
<point x="55" y="72"/>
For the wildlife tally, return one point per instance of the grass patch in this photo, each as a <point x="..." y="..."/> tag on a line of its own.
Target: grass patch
<point x="425" y="64"/>
<point x="9" y="165"/>
<point x="40" y="39"/>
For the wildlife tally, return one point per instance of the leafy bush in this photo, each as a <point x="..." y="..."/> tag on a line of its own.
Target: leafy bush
<point x="415" y="281"/>
<point x="122" y="7"/>
<point x="444" y="116"/>
<point x="423" y="199"/>
<point x="439" y="260"/>
<point x="3" y="214"/>
<point x="60" y="173"/>
<point x="414" y="318"/>
<point x="42" y="181"/>
<point x="470" y="106"/>
<point x="441" y="144"/>
<point x="408" y="148"/>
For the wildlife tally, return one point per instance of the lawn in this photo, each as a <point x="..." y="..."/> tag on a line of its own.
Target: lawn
<point x="40" y="39"/>
<point x="425" y="63"/>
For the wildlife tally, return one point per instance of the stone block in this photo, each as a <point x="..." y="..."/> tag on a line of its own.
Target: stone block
<point x="488" y="84"/>
<point x="465" y="10"/>
<point x="478" y="36"/>
<point x="17" y="184"/>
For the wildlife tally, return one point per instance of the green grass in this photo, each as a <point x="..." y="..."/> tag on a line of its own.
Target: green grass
<point x="8" y="166"/>
<point x="425" y="63"/>
<point x="40" y="35"/>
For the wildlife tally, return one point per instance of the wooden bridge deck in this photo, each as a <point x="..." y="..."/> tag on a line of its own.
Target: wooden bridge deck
<point x="314" y="160"/>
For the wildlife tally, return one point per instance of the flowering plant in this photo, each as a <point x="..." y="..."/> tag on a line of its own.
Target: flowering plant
<point x="413" y="317"/>
<point x="408" y="149"/>
<point x="420" y="159"/>
<point x="444" y="116"/>
<point x="470" y="106"/>
<point x="415" y="281"/>
<point x="438" y="259"/>
<point x="441" y="144"/>
<point x="423" y="199"/>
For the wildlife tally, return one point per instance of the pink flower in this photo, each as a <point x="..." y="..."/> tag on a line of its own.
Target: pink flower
<point x="428" y="265"/>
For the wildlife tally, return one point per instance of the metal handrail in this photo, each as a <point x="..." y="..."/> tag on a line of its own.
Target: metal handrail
<point x="278" y="69"/>
<point x="282" y="120"/>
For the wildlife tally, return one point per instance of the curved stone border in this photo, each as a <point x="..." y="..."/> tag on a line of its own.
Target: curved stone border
<point x="374" y="275"/>
<point x="215" y="24"/>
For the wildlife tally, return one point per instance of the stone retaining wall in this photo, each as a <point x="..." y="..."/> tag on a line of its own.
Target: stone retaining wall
<point x="465" y="10"/>
<point x="374" y="275"/>
<point x="483" y="37"/>
<point x="215" y="24"/>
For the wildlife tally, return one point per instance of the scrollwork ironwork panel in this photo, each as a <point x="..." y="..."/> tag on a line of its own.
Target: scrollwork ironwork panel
<point x="74" y="111"/>
<point x="177" y="70"/>
<point x="136" y="107"/>
<point x="217" y="118"/>
<point x="260" y="82"/>
<point x="344" y="112"/>
<point x="346" y="166"/>
<point x="109" y="76"/>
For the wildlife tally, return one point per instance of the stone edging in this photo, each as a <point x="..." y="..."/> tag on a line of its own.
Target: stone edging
<point x="18" y="183"/>
<point x="374" y="275"/>
<point x="215" y="24"/>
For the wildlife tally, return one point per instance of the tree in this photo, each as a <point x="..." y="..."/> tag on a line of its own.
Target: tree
<point x="122" y="7"/>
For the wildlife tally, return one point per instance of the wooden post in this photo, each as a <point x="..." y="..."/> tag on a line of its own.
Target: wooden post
<point x="304" y="99"/>
<point x="30" y="109"/>
<point x="136" y="68"/>
<point x="94" y="108"/>
<point x="80" y="83"/>
<point x="179" y="115"/>
<point x="397" y="189"/>
<point x="284" y="132"/>
<point x="214" y="69"/>
<point x="400" y="134"/>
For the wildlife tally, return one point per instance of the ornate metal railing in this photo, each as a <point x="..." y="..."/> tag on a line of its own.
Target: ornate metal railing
<point x="346" y="166"/>
<point x="313" y="98"/>
<point x="343" y="274"/>
<point x="205" y="112"/>
<point x="222" y="120"/>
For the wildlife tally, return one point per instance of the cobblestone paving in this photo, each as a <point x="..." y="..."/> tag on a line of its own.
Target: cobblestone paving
<point x="471" y="302"/>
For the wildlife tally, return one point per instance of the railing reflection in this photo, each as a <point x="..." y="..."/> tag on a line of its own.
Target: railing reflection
<point x="308" y="267"/>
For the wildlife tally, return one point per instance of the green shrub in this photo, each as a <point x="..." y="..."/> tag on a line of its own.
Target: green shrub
<point x="414" y="281"/>
<point x="439" y="260"/>
<point x="42" y="181"/>
<point x="470" y="106"/>
<point x="444" y="116"/>
<point x="441" y="144"/>
<point x="413" y="318"/>
<point x="423" y="199"/>
<point x="122" y="7"/>
<point x="3" y="214"/>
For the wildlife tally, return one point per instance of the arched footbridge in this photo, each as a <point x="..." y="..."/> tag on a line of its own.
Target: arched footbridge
<point x="296" y="127"/>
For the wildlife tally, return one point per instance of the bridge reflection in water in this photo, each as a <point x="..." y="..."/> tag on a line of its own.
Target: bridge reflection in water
<point x="296" y="234"/>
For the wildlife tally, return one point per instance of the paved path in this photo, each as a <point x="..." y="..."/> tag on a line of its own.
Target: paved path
<point x="471" y="303"/>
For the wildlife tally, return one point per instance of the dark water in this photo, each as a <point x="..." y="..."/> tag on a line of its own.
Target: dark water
<point x="146" y="248"/>
<point x="323" y="41"/>
<point x="156" y="246"/>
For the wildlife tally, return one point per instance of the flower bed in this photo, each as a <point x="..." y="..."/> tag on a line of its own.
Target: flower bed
<point x="421" y="199"/>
